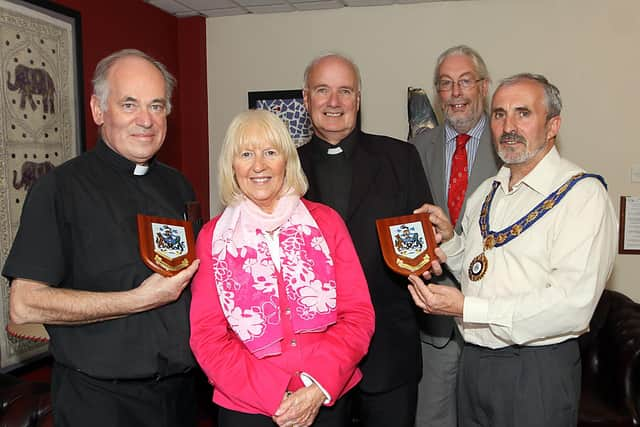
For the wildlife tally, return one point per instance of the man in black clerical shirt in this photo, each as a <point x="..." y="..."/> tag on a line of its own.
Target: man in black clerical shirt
<point x="365" y="177"/>
<point x="119" y="334"/>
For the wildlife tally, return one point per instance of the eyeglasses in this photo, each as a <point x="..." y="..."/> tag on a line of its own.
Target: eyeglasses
<point x="445" y="85"/>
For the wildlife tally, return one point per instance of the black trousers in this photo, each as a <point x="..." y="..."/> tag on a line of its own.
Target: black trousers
<point x="80" y="401"/>
<point x="395" y="407"/>
<point x="519" y="386"/>
<point x="338" y="415"/>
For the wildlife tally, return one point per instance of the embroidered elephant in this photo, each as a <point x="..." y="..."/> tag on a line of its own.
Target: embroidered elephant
<point x="30" y="172"/>
<point x="33" y="81"/>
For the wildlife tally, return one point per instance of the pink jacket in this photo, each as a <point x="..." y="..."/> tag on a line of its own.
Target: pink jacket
<point x="247" y="384"/>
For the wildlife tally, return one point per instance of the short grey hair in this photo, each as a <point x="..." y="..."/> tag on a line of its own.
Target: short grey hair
<point x="101" y="84"/>
<point x="315" y="61"/>
<point x="552" y="99"/>
<point x="478" y="62"/>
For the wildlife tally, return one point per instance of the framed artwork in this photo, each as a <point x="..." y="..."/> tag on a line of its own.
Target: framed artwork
<point x="288" y="105"/>
<point x="41" y="125"/>
<point x="629" y="234"/>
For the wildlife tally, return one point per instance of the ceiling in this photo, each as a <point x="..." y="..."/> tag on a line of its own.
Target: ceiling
<point x="182" y="8"/>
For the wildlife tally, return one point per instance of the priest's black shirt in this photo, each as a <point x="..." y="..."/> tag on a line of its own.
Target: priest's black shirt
<point x="78" y="230"/>
<point x="334" y="164"/>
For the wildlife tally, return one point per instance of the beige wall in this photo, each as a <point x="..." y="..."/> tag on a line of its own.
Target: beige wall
<point x="588" y="48"/>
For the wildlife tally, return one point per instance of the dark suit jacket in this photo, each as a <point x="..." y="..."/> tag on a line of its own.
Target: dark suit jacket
<point x="388" y="180"/>
<point x="437" y="330"/>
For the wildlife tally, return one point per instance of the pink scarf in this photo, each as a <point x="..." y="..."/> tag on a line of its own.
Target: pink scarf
<point x="247" y="279"/>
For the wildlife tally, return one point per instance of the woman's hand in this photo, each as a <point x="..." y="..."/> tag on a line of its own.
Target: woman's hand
<point x="300" y="408"/>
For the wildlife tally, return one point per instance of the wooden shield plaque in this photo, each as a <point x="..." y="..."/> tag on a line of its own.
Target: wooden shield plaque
<point x="166" y="245"/>
<point x="408" y="243"/>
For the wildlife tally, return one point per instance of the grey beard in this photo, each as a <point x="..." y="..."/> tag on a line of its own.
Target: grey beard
<point x="522" y="157"/>
<point x="463" y="125"/>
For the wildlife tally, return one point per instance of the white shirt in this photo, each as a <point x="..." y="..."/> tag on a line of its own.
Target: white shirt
<point x="541" y="287"/>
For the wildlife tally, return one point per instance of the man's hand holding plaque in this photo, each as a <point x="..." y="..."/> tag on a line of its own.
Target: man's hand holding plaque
<point x="408" y="243"/>
<point x="167" y="245"/>
<point x="429" y="297"/>
<point x="443" y="231"/>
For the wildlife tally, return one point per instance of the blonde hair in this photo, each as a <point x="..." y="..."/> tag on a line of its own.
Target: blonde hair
<point x="273" y="130"/>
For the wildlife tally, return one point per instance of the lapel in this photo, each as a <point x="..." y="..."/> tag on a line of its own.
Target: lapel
<point x="486" y="163"/>
<point x="365" y="167"/>
<point x="438" y="172"/>
<point x="306" y="160"/>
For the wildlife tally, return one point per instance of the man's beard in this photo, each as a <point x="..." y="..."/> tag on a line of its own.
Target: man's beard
<point x="463" y="124"/>
<point x="509" y="156"/>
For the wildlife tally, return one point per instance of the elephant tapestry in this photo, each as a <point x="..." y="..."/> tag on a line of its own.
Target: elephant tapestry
<point x="39" y="124"/>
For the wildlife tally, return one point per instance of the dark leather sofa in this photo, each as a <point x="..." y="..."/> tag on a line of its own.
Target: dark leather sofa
<point x="611" y="364"/>
<point x="24" y="403"/>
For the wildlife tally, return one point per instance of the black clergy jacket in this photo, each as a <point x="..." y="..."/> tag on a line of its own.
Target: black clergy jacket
<point x="387" y="180"/>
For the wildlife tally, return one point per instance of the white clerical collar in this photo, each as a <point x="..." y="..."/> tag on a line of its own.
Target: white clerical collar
<point x="141" y="170"/>
<point x="334" y="150"/>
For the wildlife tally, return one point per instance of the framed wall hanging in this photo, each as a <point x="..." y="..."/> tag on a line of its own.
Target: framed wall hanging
<point x="41" y="126"/>
<point x="289" y="106"/>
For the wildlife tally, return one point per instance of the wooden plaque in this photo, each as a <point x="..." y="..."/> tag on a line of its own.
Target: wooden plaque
<point x="166" y="245"/>
<point x="408" y="243"/>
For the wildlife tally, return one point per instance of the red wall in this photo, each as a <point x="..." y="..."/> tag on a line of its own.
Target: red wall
<point x="194" y="111"/>
<point x="180" y="44"/>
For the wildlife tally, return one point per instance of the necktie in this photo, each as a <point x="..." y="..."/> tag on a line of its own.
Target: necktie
<point x="458" y="178"/>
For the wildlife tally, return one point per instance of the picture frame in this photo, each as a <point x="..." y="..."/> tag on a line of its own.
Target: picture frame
<point x="41" y="126"/>
<point x="289" y="106"/>
<point x="629" y="234"/>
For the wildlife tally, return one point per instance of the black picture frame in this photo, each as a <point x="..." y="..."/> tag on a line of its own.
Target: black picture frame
<point x="289" y="106"/>
<point x="41" y="126"/>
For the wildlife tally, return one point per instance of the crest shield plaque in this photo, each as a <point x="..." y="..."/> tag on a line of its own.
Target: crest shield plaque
<point x="408" y="243"/>
<point x="166" y="245"/>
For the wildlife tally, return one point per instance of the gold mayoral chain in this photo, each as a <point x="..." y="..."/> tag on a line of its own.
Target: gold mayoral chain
<point x="495" y="239"/>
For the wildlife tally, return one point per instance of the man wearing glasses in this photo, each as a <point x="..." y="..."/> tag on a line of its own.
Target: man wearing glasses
<point x="457" y="156"/>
